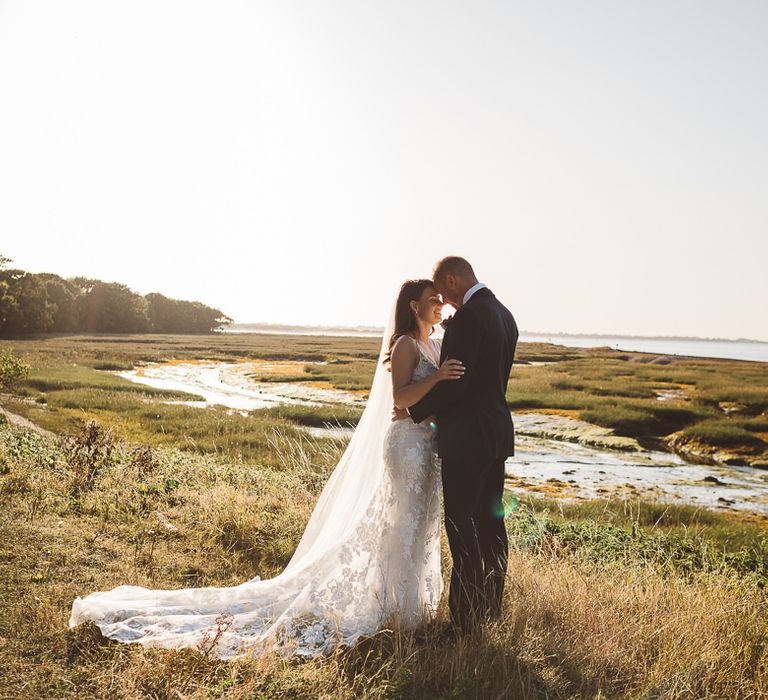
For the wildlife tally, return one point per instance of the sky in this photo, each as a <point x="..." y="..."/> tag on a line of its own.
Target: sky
<point x="602" y="164"/>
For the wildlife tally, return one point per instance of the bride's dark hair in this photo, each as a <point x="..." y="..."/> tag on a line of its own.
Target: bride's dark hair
<point x="405" y="319"/>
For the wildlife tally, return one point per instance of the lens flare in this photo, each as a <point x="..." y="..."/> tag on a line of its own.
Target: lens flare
<point x="509" y="503"/>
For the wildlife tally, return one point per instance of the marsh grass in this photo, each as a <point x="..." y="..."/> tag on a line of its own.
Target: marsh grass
<point x="725" y="435"/>
<point x="63" y="378"/>
<point x="70" y="385"/>
<point x="315" y="416"/>
<point x="350" y="374"/>
<point x="722" y="404"/>
<point x="594" y="605"/>
<point x="147" y="420"/>
<point x="619" y="391"/>
<point x="641" y="419"/>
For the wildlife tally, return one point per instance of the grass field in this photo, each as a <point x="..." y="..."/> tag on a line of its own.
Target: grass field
<point x="714" y="409"/>
<point x="604" y="599"/>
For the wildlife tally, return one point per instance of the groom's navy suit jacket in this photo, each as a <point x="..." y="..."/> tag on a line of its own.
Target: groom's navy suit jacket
<point x="473" y="418"/>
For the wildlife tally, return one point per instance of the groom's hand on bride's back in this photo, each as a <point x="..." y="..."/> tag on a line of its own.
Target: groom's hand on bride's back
<point x="399" y="413"/>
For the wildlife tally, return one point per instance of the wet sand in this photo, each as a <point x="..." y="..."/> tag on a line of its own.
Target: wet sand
<point x="569" y="470"/>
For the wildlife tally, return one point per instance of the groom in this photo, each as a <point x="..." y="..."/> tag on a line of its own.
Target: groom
<point x="475" y="436"/>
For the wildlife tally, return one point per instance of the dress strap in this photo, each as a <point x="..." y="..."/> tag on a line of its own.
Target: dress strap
<point x="427" y="356"/>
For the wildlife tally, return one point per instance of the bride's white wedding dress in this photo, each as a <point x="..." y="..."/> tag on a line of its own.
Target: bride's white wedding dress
<point x="369" y="557"/>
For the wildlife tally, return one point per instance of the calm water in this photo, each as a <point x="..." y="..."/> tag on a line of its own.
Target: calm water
<point x="304" y="330"/>
<point x="732" y="350"/>
<point x="231" y="384"/>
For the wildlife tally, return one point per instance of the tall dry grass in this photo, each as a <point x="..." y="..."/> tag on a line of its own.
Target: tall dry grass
<point x="583" y="617"/>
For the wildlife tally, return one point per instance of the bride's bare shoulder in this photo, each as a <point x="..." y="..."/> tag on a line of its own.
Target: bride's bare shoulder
<point x="405" y="345"/>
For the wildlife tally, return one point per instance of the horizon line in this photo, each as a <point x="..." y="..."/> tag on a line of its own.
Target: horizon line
<point x="560" y="334"/>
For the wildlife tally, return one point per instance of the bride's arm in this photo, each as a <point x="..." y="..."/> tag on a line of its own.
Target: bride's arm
<point x="462" y="340"/>
<point x="404" y="358"/>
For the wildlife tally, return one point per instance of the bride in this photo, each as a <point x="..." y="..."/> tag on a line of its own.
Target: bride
<point x="370" y="554"/>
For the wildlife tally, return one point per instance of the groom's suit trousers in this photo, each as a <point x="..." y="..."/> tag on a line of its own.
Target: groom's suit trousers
<point x="474" y="520"/>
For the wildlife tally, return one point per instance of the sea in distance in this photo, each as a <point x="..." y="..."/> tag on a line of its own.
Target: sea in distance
<point x="753" y="350"/>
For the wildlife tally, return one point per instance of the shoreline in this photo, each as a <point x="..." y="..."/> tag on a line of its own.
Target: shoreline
<point x="288" y="328"/>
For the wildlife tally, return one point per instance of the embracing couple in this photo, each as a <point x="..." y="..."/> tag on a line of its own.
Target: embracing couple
<point x="369" y="558"/>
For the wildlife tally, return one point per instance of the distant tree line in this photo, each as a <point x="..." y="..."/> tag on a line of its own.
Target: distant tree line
<point x="46" y="303"/>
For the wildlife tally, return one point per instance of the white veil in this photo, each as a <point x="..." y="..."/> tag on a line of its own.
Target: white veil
<point x="357" y="476"/>
<point x="331" y="591"/>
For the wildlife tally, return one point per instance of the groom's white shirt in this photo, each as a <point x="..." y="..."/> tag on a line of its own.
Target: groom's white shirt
<point x="471" y="291"/>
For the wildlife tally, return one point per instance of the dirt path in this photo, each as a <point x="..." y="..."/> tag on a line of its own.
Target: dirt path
<point x="21" y="422"/>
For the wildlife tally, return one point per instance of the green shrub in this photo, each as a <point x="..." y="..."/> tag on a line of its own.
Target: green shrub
<point x="88" y="453"/>
<point x="12" y="369"/>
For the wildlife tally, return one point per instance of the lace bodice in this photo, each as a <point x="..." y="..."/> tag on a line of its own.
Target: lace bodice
<point x="428" y="358"/>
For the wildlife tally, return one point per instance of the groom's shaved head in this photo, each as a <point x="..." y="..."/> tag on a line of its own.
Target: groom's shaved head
<point x="456" y="266"/>
<point x="452" y="277"/>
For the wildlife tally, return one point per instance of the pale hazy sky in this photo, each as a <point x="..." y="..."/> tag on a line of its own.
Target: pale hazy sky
<point x="604" y="165"/>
